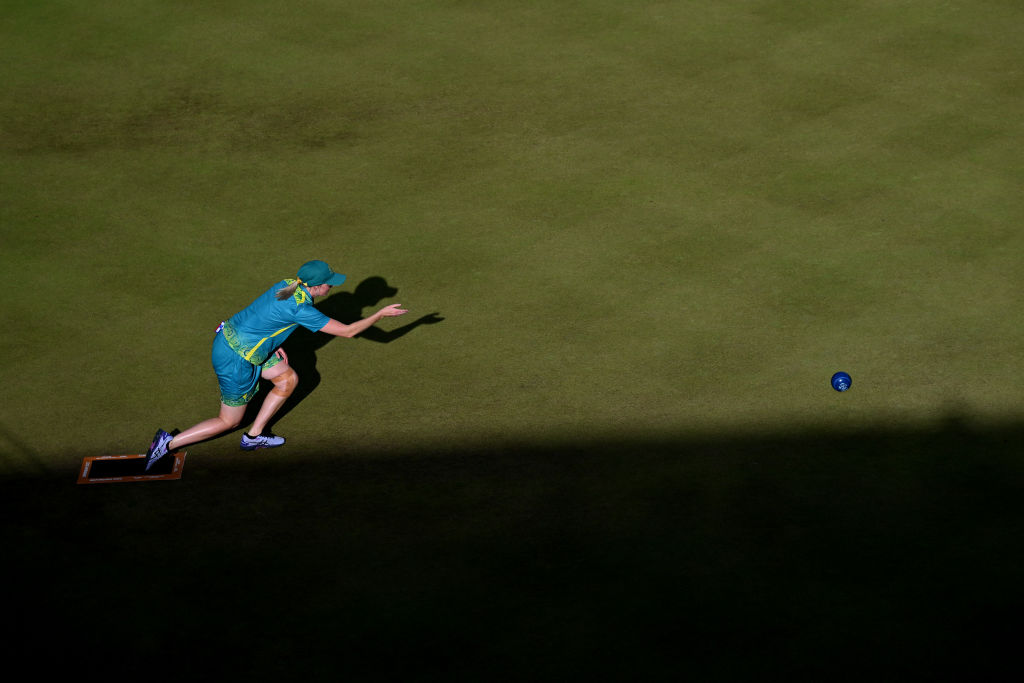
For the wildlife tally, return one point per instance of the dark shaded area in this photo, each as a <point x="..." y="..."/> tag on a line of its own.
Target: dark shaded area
<point x="15" y="450"/>
<point x="873" y="555"/>
<point x="130" y="467"/>
<point x="302" y="345"/>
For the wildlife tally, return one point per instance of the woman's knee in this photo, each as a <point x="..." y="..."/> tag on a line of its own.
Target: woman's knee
<point x="231" y="423"/>
<point x="285" y="382"/>
<point x="231" y="416"/>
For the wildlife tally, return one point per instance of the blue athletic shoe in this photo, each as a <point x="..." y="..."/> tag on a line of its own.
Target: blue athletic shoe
<point x="158" y="448"/>
<point x="251" y="443"/>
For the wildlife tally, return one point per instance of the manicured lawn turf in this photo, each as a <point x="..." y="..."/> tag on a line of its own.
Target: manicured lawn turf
<point x="637" y="221"/>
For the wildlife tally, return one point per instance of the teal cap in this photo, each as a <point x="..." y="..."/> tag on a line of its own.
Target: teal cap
<point x="315" y="273"/>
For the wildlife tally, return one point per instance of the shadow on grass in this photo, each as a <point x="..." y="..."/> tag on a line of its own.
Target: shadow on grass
<point x="870" y="555"/>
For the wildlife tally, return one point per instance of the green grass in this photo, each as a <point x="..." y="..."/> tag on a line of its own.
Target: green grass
<point x="633" y="216"/>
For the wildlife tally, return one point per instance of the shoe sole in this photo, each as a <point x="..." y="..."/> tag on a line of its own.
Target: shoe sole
<point x="257" y="448"/>
<point x="150" y="460"/>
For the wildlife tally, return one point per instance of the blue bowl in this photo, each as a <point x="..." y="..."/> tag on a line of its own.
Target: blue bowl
<point x="841" y="381"/>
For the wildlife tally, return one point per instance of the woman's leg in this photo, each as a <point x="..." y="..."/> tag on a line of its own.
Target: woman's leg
<point x="285" y="380"/>
<point x="229" y="418"/>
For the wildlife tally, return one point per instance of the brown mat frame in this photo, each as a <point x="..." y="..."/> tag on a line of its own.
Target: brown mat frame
<point x="175" y="473"/>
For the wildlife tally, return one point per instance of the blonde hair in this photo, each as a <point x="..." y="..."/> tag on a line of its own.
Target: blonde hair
<point x="286" y="292"/>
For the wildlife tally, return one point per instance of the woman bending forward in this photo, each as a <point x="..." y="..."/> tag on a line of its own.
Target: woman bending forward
<point x="247" y="347"/>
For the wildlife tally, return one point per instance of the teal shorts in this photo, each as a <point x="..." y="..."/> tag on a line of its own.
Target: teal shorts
<point x="238" y="378"/>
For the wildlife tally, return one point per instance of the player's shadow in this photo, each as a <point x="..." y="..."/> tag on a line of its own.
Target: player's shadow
<point x="302" y="346"/>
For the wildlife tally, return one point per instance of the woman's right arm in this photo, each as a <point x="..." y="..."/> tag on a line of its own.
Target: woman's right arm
<point x="340" y="329"/>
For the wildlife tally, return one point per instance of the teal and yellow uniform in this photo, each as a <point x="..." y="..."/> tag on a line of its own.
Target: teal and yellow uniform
<point x="246" y="342"/>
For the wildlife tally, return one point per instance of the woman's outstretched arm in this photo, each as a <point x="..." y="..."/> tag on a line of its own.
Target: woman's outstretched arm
<point x="340" y="329"/>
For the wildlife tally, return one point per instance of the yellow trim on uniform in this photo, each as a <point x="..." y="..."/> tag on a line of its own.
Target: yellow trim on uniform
<point x="248" y="356"/>
<point x="300" y="295"/>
